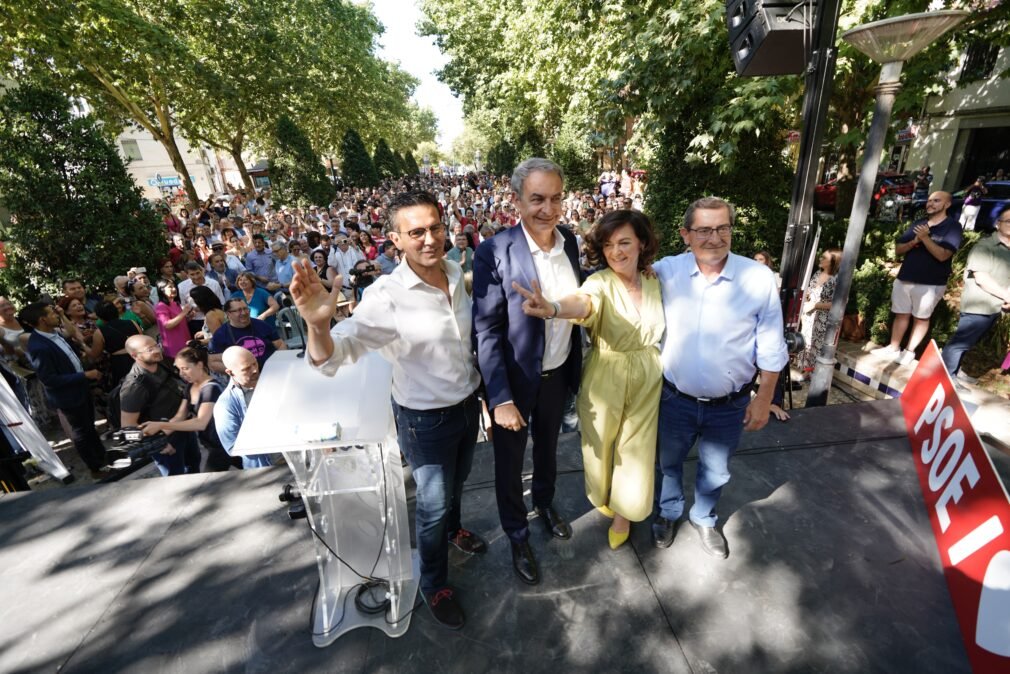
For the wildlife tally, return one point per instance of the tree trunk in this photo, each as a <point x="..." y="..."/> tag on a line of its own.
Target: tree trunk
<point x="236" y="155"/>
<point x="180" y="166"/>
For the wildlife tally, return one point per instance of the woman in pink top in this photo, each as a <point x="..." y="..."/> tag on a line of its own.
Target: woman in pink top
<point x="172" y="319"/>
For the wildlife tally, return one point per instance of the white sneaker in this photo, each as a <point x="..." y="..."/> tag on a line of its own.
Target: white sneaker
<point x="961" y="376"/>
<point x="962" y="389"/>
<point x="905" y="357"/>
<point x="886" y="351"/>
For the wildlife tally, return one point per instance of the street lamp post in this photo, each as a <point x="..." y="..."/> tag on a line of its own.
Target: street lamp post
<point x="889" y="42"/>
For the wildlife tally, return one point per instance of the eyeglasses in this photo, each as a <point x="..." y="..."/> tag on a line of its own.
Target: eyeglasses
<point x="706" y="232"/>
<point x="419" y="233"/>
<point x="240" y="310"/>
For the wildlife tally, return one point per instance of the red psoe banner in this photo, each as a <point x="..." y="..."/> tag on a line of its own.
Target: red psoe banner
<point x="969" y="509"/>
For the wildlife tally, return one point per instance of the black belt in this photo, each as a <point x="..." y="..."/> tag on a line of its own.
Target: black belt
<point x="722" y="400"/>
<point x="442" y="410"/>
<point x="547" y="374"/>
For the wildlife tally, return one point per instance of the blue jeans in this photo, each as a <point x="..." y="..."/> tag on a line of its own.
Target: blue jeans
<point x="439" y="444"/>
<point x="716" y="429"/>
<point x="970" y="329"/>
<point x="186" y="458"/>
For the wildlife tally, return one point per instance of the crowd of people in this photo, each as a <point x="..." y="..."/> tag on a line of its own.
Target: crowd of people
<point x="514" y="280"/>
<point x="224" y="280"/>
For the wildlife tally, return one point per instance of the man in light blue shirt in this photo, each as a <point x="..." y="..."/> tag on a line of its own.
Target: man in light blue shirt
<point x="723" y="323"/>
<point x="283" y="271"/>
<point x="260" y="262"/>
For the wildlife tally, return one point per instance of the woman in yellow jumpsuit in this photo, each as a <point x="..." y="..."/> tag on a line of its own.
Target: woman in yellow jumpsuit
<point x="618" y="401"/>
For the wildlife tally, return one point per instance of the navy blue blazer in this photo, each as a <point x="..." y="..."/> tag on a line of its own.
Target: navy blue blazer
<point x="65" y="387"/>
<point x="510" y="344"/>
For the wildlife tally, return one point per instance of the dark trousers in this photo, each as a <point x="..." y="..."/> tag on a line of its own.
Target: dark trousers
<point x="186" y="458"/>
<point x="970" y="329"/>
<point x="510" y="451"/>
<point x="439" y="445"/>
<point x="81" y="420"/>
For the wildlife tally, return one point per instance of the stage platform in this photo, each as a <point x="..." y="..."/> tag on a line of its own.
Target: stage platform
<point x="832" y="567"/>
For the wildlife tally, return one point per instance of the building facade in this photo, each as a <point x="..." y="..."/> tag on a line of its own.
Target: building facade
<point x="966" y="132"/>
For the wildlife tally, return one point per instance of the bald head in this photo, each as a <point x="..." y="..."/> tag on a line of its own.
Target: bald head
<point x="241" y="366"/>
<point x="138" y="343"/>
<point x="145" y="351"/>
<point x="938" y="203"/>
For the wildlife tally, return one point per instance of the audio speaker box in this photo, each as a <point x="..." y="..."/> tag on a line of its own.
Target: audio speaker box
<point x="767" y="38"/>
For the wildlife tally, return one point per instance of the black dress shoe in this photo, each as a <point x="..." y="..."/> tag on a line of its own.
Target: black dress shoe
<point x="524" y="563"/>
<point x="555" y="523"/>
<point x="712" y="541"/>
<point x="444" y="608"/>
<point x="664" y="531"/>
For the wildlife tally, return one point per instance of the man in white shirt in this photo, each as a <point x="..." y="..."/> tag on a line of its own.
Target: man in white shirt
<point x="530" y="366"/>
<point x="343" y="258"/>
<point x="723" y="323"/>
<point x="197" y="277"/>
<point x="418" y="318"/>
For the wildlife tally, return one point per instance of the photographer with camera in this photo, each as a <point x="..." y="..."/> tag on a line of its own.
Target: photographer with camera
<point x="363" y="274"/>
<point x="152" y="392"/>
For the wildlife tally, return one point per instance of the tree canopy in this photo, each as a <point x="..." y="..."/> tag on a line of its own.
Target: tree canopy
<point x="219" y="71"/>
<point x="75" y="210"/>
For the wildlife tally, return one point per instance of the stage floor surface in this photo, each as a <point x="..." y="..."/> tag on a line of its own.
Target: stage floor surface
<point x="832" y="567"/>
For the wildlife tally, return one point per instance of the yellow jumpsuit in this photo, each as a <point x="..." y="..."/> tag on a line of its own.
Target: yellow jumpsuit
<point x="618" y="401"/>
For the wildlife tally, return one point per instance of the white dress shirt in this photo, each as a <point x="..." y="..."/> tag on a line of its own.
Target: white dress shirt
<point x="557" y="280"/>
<point x="718" y="333"/>
<point x="413" y="326"/>
<point x="186" y="287"/>
<point x="344" y="261"/>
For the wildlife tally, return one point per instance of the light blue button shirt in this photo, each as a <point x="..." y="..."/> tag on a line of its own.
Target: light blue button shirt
<point x="718" y="333"/>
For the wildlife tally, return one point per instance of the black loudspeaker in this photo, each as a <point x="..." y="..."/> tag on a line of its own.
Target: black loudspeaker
<point x="767" y="38"/>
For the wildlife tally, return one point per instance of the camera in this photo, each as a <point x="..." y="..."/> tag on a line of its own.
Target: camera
<point x="128" y="435"/>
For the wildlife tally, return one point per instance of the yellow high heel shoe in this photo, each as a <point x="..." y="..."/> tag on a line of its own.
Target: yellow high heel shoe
<point x="617" y="539"/>
<point x="605" y="511"/>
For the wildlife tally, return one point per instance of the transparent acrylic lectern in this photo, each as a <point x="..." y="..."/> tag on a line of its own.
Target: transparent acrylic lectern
<point x="338" y="438"/>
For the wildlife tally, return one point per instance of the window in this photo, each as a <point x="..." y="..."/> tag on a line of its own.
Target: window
<point x="979" y="62"/>
<point x="131" y="150"/>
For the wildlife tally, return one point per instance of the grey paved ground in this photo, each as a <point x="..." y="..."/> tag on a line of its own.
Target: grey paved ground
<point x="832" y="568"/>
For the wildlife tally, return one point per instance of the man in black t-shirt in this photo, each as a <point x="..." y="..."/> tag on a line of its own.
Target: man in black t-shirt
<point x="258" y="337"/>
<point x="152" y="392"/>
<point x="928" y="246"/>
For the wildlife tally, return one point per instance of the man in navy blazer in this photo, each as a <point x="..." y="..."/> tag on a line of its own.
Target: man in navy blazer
<point x="66" y="382"/>
<point x="529" y="365"/>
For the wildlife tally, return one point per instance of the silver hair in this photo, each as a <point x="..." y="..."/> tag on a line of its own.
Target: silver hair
<point x="706" y="204"/>
<point x="532" y="165"/>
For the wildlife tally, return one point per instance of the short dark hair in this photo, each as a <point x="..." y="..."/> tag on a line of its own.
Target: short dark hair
<point x="68" y="281"/>
<point x="230" y="301"/>
<point x="193" y="266"/>
<point x="259" y="236"/>
<point x="408" y="200"/>
<point x="107" y="311"/>
<point x="613" y="221"/>
<point x="33" y="313"/>
<point x="387" y="244"/>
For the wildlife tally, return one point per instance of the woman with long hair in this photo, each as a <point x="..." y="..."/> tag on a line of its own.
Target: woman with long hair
<point x="210" y="306"/>
<point x="196" y="413"/>
<point x="172" y="318"/>
<point x="327" y="274"/>
<point x="367" y="246"/>
<point x="816" y="305"/>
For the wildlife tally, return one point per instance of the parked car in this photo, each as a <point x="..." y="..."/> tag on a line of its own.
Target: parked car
<point x="992" y="203"/>
<point x="826" y="194"/>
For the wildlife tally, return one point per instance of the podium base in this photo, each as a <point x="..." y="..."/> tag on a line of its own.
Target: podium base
<point x="353" y="618"/>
